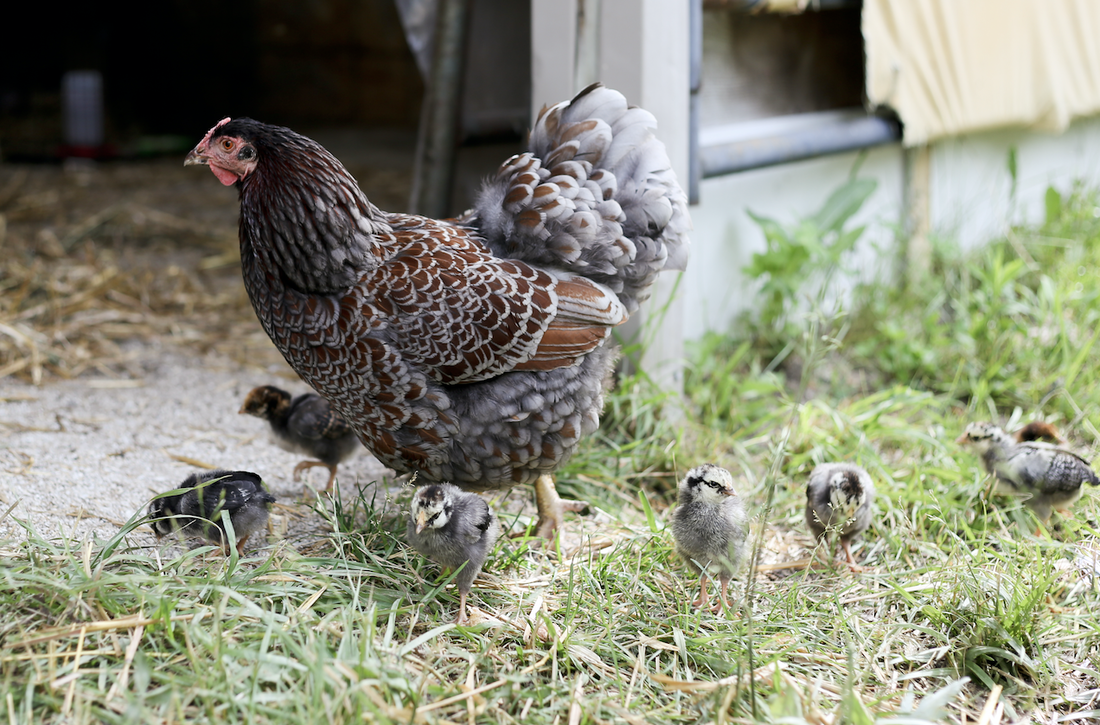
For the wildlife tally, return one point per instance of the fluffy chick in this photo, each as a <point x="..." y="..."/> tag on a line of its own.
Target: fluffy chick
<point x="1038" y="430"/>
<point x="454" y="529"/>
<point x="1051" y="476"/>
<point x="199" y="509"/>
<point x="710" y="527"/>
<point x="839" y="498"/>
<point x="305" y="424"/>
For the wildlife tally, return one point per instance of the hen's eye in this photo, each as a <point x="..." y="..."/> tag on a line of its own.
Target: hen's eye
<point x="227" y="144"/>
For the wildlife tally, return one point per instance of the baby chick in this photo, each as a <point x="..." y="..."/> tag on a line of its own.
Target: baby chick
<point x="710" y="527"/>
<point x="1038" y="430"/>
<point x="454" y="529"/>
<point x="199" y="510"/>
<point x="305" y="424"/>
<point x="839" y="498"/>
<point x="1052" y="476"/>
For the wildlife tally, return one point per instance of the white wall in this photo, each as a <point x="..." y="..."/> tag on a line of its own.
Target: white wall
<point x="970" y="183"/>
<point x="969" y="203"/>
<point x="725" y="238"/>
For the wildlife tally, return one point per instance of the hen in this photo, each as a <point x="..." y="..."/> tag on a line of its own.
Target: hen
<point x="469" y="350"/>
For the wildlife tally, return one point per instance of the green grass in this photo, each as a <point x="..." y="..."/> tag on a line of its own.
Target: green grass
<point x="960" y="599"/>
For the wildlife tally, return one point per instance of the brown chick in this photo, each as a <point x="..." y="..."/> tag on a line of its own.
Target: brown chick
<point x="305" y="424"/>
<point x="1038" y="430"/>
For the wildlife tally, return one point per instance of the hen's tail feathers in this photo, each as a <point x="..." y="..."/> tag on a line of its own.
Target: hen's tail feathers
<point x="595" y="194"/>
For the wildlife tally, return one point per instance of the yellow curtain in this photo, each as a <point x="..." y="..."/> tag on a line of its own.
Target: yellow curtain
<point x="954" y="66"/>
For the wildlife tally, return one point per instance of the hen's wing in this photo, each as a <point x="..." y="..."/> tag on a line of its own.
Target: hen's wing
<point x="462" y="314"/>
<point x="314" y="419"/>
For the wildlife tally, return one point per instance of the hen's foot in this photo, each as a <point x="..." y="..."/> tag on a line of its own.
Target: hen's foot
<point x="552" y="507"/>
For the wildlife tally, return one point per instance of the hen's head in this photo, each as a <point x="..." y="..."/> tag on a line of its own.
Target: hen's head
<point x="229" y="149"/>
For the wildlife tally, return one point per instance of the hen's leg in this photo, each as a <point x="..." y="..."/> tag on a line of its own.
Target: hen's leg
<point x="552" y="507"/>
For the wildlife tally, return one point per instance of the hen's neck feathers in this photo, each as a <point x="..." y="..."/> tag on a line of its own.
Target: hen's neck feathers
<point x="303" y="214"/>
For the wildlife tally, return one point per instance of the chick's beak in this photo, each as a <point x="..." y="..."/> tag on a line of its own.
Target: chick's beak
<point x="197" y="156"/>
<point x="421" y="521"/>
<point x="961" y="440"/>
<point x="729" y="492"/>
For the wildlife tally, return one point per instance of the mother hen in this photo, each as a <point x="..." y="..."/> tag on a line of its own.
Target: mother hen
<point x="470" y="350"/>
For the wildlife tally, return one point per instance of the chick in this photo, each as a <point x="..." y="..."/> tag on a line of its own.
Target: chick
<point x="454" y="529"/>
<point x="839" y="498"/>
<point x="1038" y="430"/>
<point x="199" y="510"/>
<point x="305" y="424"/>
<point x="1051" y="476"/>
<point x="710" y="527"/>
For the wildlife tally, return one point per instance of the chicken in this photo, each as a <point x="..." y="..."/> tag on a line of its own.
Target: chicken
<point x="710" y="527"/>
<point x="305" y="424"/>
<point x="454" y="529"/>
<point x="470" y="350"/>
<point x="241" y="494"/>
<point x="1038" y="430"/>
<point x="839" y="497"/>
<point x="1050" y="476"/>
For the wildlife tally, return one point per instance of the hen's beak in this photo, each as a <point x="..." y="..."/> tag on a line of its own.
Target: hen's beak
<point x="421" y="521"/>
<point x="197" y="156"/>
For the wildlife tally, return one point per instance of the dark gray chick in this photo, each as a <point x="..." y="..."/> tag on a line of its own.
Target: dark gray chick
<point x="839" y="497"/>
<point x="305" y="424"/>
<point x="710" y="527"/>
<point x="453" y="528"/>
<point x="198" y="510"/>
<point x="1051" y="476"/>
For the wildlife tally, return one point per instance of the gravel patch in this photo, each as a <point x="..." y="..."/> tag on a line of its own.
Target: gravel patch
<point x="80" y="457"/>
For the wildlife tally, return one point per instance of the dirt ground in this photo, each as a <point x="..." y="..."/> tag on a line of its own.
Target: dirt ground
<point x="127" y="345"/>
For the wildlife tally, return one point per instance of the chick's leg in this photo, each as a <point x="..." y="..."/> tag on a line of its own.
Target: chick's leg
<point x="702" y="599"/>
<point x="240" y="546"/>
<point x="552" y="507"/>
<point x="852" y="565"/>
<point x="723" y="601"/>
<point x="461" y="619"/>
<point x="306" y="465"/>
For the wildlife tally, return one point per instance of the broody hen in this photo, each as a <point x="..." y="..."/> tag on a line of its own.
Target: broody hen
<point x="305" y="424"/>
<point x="839" y="497"/>
<point x="469" y="350"/>
<point x="1051" y="476"/>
